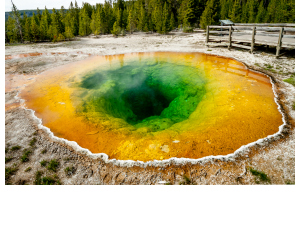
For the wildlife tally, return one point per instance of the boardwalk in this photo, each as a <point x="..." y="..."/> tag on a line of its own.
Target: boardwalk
<point x="247" y="36"/>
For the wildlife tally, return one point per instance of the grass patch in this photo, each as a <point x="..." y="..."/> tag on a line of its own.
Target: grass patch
<point x="43" y="163"/>
<point x="6" y="150"/>
<point x="27" y="169"/>
<point x="32" y="142"/>
<point x="268" y="66"/>
<point x="294" y="106"/>
<point x="44" y="151"/>
<point x="261" y="176"/>
<point x="25" y="155"/>
<point x="186" y="181"/>
<point x="290" y="80"/>
<point x="53" y="165"/>
<point x="10" y="172"/>
<point x="70" y="171"/>
<point x="8" y="159"/>
<point x="21" y="182"/>
<point x="288" y="182"/>
<point x="38" y="179"/>
<point x="15" y="148"/>
<point x="47" y="180"/>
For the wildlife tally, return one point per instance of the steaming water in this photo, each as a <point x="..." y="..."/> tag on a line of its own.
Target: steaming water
<point x="146" y="106"/>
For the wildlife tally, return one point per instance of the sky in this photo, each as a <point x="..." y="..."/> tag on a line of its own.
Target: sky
<point x="50" y="4"/>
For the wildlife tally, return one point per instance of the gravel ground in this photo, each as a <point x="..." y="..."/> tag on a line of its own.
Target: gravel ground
<point x="273" y="156"/>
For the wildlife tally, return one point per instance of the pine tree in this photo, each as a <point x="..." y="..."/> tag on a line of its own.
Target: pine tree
<point x="34" y="28"/>
<point x="54" y="31"/>
<point x="84" y="21"/>
<point x="124" y="19"/>
<point x="224" y="9"/>
<point x="130" y="23"/>
<point x="116" y="29"/>
<point x="189" y="16"/>
<point x="142" y="18"/>
<point x="76" y="15"/>
<point x="47" y="13"/>
<point x="27" y="30"/>
<point x="272" y="11"/>
<point x="165" y="19"/>
<point x="23" y="22"/>
<point x="44" y="26"/>
<point x="253" y="8"/>
<point x="211" y="13"/>
<point x="93" y="23"/>
<point x="236" y="12"/>
<point x="119" y="17"/>
<point x="245" y="12"/>
<point x="69" y="26"/>
<point x="172" y="22"/>
<point x="12" y="30"/>
<point x="291" y="8"/>
<point x="283" y="16"/>
<point x="260" y="13"/>
<point x="38" y="16"/>
<point x="157" y="15"/>
<point x="103" y="24"/>
<point x="150" y="23"/>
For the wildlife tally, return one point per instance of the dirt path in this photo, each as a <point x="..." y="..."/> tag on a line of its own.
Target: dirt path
<point x="275" y="158"/>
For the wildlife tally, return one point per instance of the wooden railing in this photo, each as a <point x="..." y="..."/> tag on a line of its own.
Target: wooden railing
<point x="248" y="35"/>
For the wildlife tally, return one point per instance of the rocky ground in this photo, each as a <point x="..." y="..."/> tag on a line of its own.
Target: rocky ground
<point x="272" y="161"/>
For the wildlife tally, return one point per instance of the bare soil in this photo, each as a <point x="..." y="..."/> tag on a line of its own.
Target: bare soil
<point x="274" y="156"/>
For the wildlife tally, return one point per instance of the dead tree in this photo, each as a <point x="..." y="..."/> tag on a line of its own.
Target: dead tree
<point x="16" y="16"/>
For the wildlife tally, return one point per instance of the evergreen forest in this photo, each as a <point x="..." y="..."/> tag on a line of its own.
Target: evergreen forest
<point x="120" y="17"/>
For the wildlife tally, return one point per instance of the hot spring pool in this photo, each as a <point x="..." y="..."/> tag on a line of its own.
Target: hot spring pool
<point x="154" y="106"/>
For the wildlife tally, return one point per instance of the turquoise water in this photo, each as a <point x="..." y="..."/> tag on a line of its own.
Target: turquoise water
<point x="143" y="93"/>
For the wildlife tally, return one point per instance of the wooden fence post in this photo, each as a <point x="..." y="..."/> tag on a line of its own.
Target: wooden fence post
<point x="253" y="39"/>
<point x="207" y="35"/>
<point x="279" y="42"/>
<point x="229" y="39"/>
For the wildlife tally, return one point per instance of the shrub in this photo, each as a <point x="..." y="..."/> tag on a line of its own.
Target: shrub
<point x="188" y="29"/>
<point x="9" y="172"/>
<point x="260" y="175"/>
<point x="43" y="163"/>
<point x="32" y="142"/>
<point x="8" y="159"/>
<point x="60" y="37"/>
<point x="38" y="180"/>
<point x="186" y="181"/>
<point x="27" y="169"/>
<point x="290" y="80"/>
<point x="24" y="157"/>
<point x="53" y="165"/>
<point x="70" y="171"/>
<point x="47" y="180"/>
<point x="15" y="148"/>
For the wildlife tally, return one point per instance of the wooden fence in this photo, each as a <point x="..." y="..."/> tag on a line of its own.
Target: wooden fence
<point x="248" y="35"/>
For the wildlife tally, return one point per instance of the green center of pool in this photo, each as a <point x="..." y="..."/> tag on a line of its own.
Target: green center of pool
<point x="143" y="93"/>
